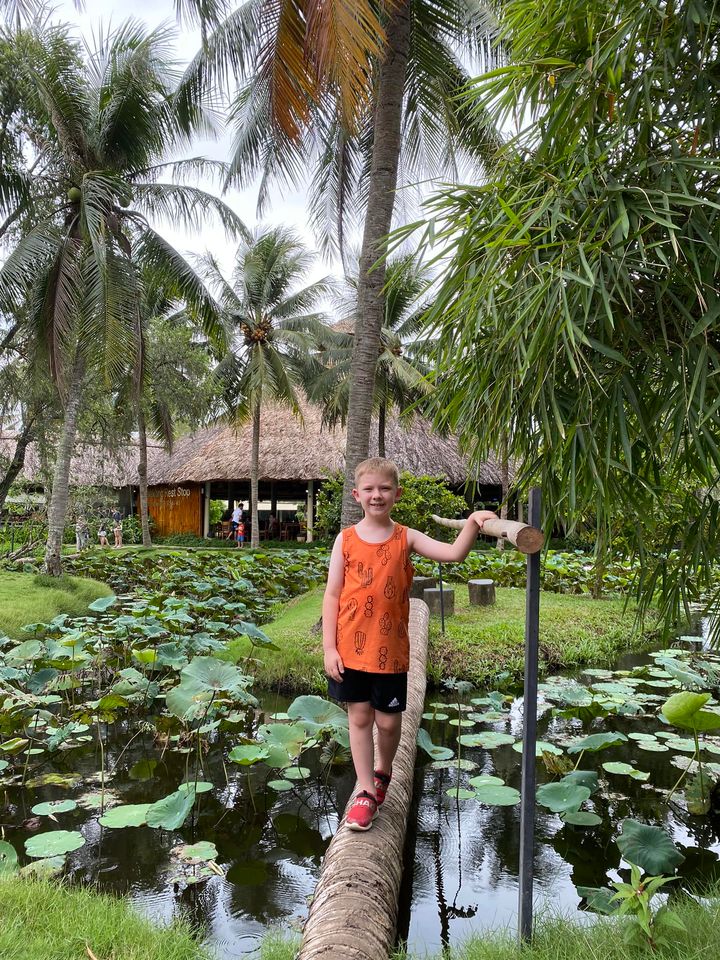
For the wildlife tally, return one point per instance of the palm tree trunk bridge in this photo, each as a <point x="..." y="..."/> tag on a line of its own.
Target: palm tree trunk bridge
<point x="353" y="915"/>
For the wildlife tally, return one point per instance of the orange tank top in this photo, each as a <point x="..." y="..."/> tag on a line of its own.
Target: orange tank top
<point x="372" y="628"/>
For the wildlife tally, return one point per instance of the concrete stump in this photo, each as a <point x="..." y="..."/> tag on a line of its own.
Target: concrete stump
<point x="432" y="599"/>
<point x="481" y="592"/>
<point x="420" y="585"/>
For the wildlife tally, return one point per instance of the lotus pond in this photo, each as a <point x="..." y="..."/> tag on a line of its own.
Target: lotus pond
<point x="132" y="757"/>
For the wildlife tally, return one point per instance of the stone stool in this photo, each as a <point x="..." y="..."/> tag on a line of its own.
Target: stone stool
<point x="431" y="596"/>
<point x="420" y="584"/>
<point x="481" y="592"/>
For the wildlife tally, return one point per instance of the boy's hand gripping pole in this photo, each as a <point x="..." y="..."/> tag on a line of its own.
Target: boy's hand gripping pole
<point x="527" y="539"/>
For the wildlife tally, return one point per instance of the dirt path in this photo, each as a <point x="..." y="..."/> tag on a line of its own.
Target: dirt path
<point x="353" y="915"/>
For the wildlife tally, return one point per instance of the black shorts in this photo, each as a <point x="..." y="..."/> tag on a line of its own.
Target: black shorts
<point x="386" y="692"/>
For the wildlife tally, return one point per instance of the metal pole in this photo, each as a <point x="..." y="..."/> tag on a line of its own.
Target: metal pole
<point x="527" y="789"/>
<point x="442" y="599"/>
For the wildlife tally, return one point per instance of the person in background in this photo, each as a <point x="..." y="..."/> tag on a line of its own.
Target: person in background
<point x="240" y="533"/>
<point x="273" y="527"/>
<point x="237" y="516"/>
<point x="82" y="533"/>
<point x="102" y="534"/>
<point x="117" y="527"/>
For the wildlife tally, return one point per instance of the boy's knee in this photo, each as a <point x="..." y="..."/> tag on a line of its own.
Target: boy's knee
<point x="361" y="714"/>
<point x="388" y="722"/>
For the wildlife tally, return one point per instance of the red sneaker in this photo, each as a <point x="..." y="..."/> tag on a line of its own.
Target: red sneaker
<point x="363" y="811"/>
<point x="382" y="782"/>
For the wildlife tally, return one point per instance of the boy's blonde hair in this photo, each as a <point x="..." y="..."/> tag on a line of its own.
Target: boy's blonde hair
<point x="377" y="465"/>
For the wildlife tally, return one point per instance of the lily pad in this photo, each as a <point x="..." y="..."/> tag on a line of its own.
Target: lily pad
<point x="53" y="806"/>
<point x="436" y="751"/>
<point x="647" y="737"/>
<point x="497" y="795"/>
<point x="652" y="746"/>
<point x="102" y="604"/>
<point x="8" y="858"/>
<point x="317" y="714"/>
<point x="201" y="786"/>
<point x="486" y="780"/>
<point x="460" y="722"/>
<point x="172" y="811"/>
<point x="54" y="844"/>
<point x="248" y="754"/>
<point x="296" y="773"/>
<point x="435" y="716"/>
<point x="581" y="818"/>
<point x="45" y="868"/>
<point x="598" y="741"/>
<point x="126" y="815"/>
<point x="583" y="778"/>
<point x="648" y="847"/>
<point x="281" y="785"/>
<point x="460" y="793"/>
<point x="625" y="769"/>
<point x="562" y="796"/>
<point x="488" y="740"/>
<point x="203" y="850"/>
<point x="460" y="764"/>
<point x="541" y="747"/>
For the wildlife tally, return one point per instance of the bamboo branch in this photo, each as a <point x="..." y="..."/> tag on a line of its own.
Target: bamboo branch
<point x="527" y="539"/>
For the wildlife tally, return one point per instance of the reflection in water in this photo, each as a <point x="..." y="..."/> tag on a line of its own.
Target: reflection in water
<point x="461" y="857"/>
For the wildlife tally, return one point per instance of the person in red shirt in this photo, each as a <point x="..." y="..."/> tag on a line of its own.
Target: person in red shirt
<point x="365" y="625"/>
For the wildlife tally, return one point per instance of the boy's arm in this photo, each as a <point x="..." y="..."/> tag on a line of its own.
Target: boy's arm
<point x="334" y="666"/>
<point x="450" y="552"/>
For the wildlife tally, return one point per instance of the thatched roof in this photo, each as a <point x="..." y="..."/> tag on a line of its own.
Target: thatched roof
<point x="290" y="449"/>
<point x="90" y="465"/>
<point x="307" y="450"/>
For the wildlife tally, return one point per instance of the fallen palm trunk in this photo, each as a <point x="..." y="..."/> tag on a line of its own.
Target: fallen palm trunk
<point x="353" y="915"/>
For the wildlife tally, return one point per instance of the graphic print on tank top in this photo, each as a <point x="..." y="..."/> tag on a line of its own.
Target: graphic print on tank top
<point x="374" y="606"/>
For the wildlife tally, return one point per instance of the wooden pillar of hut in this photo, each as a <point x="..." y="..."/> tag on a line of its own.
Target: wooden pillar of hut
<point x="273" y="499"/>
<point x="206" y="511"/>
<point x="310" y="510"/>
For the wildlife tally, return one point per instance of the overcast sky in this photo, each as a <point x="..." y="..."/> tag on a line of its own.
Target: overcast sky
<point x="288" y="206"/>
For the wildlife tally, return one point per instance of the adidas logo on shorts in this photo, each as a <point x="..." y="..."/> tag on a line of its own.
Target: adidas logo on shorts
<point x="394" y="702"/>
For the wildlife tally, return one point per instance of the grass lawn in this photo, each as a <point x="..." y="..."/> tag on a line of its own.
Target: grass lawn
<point x="47" y="921"/>
<point x="564" y="939"/>
<point x="34" y="598"/>
<point x="479" y="642"/>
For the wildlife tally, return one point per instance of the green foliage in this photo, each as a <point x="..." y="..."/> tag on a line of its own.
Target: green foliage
<point x="636" y="903"/>
<point x="578" y="310"/>
<point x="421" y="497"/>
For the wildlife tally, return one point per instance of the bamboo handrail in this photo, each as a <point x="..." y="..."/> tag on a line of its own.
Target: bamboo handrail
<point x="526" y="538"/>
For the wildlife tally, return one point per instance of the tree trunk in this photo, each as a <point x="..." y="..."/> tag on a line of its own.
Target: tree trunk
<point x="142" y="477"/>
<point x="254" y="468"/>
<point x="18" y="460"/>
<point x="505" y="481"/>
<point x="57" y="510"/>
<point x="381" y="430"/>
<point x="378" y="221"/>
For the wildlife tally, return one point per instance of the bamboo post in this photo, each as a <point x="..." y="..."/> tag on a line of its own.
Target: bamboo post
<point x="527" y="538"/>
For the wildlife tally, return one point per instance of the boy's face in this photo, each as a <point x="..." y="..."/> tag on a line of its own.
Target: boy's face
<point x="377" y="494"/>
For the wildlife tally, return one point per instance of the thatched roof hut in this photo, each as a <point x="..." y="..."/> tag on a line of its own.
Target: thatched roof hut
<point x="302" y="450"/>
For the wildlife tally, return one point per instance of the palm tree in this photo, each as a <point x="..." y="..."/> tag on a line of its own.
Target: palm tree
<point x="401" y="368"/>
<point x="349" y="90"/>
<point x="579" y="301"/>
<point x="275" y="330"/>
<point x="111" y="124"/>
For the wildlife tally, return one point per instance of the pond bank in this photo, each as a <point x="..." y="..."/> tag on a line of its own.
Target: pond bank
<point x="563" y="939"/>
<point x="479" y="643"/>
<point x="73" y="922"/>
<point x="26" y="597"/>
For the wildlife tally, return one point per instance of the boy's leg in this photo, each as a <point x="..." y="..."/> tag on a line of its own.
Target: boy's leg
<point x="389" y="727"/>
<point x="361" y="717"/>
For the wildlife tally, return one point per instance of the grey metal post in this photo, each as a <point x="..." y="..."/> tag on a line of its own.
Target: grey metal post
<point x="527" y="789"/>
<point x="442" y="599"/>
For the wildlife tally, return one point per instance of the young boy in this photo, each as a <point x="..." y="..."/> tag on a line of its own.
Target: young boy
<point x="365" y="625"/>
<point x="240" y="533"/>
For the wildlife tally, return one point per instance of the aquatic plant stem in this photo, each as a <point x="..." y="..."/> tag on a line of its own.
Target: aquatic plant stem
<point x="102" y="766"/>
